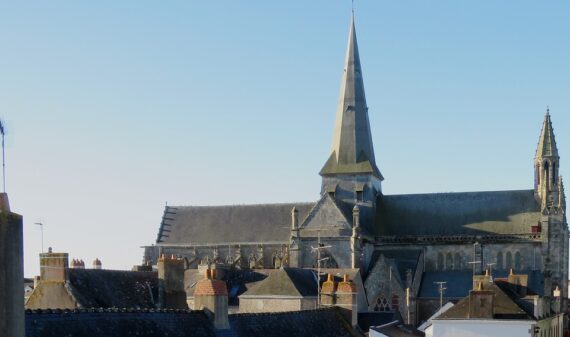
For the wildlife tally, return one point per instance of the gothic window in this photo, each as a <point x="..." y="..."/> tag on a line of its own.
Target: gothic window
<point x="538" y="174"/>
<point x="440" y="261"/>
<point x="509" y="262"/>
<point x="500" y="261"/>
<point x="448" y="261"/>
<point x="395" y="303"/>
<point x="518" y="261"/>
<point x="458" y="262"/>
<point x="382" y="304"/>
<point x="553" y="173"/>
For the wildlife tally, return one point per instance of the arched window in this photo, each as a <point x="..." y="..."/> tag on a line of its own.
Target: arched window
<point x="553" y="173"/>
<point x="518" y="261"/>
<point x="440" y="265"/>
<point x="500" y="265"/>
<point x="448" y="261"/>
<point x="509" y="262"/>
<point x="458" y="263"/>
<point x="538" y="174"/>
<point x="395" y="303"/>
<point x="381" y="304"/>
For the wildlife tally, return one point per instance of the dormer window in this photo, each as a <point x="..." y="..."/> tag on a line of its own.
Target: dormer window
<point x="331" y="190"/>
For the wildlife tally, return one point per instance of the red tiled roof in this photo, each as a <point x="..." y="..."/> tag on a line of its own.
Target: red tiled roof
<point x="211" y="287"/>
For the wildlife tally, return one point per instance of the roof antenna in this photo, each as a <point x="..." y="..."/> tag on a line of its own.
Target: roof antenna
<point x="3" y="132"/>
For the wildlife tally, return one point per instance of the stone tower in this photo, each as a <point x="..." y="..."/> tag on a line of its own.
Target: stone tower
<point x="549" y="193"/>
<point x="350" y="174"/>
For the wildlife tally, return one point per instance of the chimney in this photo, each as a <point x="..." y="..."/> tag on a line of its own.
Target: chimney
<point x="77" y="264"/>
<point x="519" y="282"/>
<point x="211" y="295"/>
<point x="328" y="291"/>
<point x="11" y="271"/>
<point x="346" y="298"/>
<point x="97" y="264"/>
<point x="171" y="294"/>
<point x="53" y="266"/>
<point x="481" y="302"/>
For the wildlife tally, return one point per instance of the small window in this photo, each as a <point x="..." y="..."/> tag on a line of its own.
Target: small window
<point x="359" y="195"/>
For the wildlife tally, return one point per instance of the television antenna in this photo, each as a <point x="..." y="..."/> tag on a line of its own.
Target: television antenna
<point x="42" y="231"/>
<point x="441" y="289"/>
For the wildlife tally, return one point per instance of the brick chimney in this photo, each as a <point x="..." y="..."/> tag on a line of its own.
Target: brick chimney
<point x="212" y="295"/>
<point x="11" y="271"/>
<point x="97" y="264"/>
<point x="342" y="295"/>
<point x="171" y="292"/>
<point x="328" y="291"/>
<point x="77" y="264"/>
<point x="53" y="266"/>
<point x="481" y="302"/>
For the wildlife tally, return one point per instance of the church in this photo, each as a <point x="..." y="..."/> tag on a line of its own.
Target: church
<point x="401" y="244"/>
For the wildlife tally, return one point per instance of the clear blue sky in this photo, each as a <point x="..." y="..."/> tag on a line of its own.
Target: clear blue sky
<point x="115" y="107"/>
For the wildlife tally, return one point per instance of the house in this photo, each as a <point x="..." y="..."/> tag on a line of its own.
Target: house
<point x="502" y="308"/>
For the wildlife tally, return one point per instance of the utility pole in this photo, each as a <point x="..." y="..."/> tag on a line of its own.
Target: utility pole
<point x="3" y="133"/>
<point x="442" y="288"/>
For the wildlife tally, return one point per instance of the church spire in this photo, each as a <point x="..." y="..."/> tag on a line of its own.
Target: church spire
<point x="352" y="150"/>
<point x="546" y="164"/>
<point x="547" y="143"/>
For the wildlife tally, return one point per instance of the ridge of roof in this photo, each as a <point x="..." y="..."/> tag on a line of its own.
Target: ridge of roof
<point x="456" y="193"/>
<point x="303" y="203"/>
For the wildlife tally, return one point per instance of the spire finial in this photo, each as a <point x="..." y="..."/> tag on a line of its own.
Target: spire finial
<point x="352" y="7"/>
<point x="548" y="110"/>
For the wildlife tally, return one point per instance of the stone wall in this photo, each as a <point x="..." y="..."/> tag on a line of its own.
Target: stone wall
<point x="274" y="304"/>
<point x="518" y="256"/>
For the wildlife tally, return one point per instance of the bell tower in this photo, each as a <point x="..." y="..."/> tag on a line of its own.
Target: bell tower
<point x="350" y="175"/>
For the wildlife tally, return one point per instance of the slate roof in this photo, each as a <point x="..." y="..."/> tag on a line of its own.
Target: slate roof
<point x="460" y="282"/>
<point x="501" y="212"/>
<point x="376" y="318"/>
<point x="100" y="288"/>
<point x="352" y="148"/>
<point x="504" y="307"/>
<point x="295" y="282"/>
<point x="402" y="259"/>
<point x="397" y="329"/>
<point x="117" y="323"/>
<point x="327" y="322"/>
<point x="183" y="323"/>
<point x="234" y="223"/>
